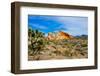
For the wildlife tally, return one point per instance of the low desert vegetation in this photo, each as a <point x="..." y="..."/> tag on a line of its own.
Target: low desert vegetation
<point x="42" y="48"/>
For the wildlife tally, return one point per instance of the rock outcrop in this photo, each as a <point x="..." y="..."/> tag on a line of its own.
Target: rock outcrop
<point x="58" y="36"/>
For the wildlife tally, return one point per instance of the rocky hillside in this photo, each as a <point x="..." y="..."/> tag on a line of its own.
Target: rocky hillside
<point x="59" y="35"/>
<point x="44" y="48"/>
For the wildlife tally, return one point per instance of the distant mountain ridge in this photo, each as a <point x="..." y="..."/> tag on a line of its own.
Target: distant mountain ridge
<point x="82" y="36"/>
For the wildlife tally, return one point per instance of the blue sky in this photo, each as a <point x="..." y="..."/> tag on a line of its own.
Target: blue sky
<point x="70" y="24"/>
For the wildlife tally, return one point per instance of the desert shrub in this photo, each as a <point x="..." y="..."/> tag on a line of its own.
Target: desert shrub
<point x="84" y="45"/>
<point x="67" y="53"/>
<point x="37" y="41"/>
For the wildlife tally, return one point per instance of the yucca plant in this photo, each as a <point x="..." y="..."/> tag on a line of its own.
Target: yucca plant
<point x="37" y="41"/>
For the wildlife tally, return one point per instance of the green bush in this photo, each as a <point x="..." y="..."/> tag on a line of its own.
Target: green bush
<point x="37" y="41"/>
<point x="84" y="45"/>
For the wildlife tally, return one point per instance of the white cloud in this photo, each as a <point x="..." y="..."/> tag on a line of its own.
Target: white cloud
<point x="74" y="25"/>
<point x="38" y="26"/>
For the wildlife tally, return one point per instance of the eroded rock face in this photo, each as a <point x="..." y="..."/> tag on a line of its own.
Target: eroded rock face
<point x="58" y="36"/>
<point x="63" y="35"/>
